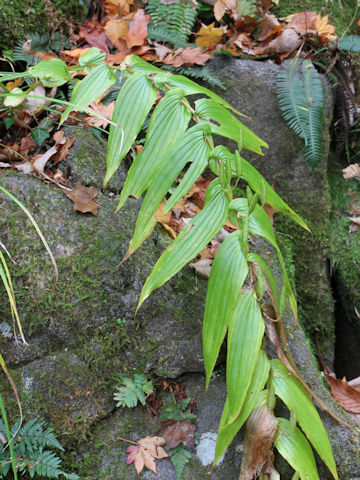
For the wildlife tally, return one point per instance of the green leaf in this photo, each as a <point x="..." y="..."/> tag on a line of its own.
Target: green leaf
<point x="293" y="446"/>
<point x="191" y="147"/>
<point x="227" y="275"/>
<point x="133" y="390"/>
<point x="255" y="258"/>
<point x="168" y="123"/>
<point x="179" y="456"/>
<point x="294" y="395"/>
<point x="137" y="64"/>
<point x="131" y="108"/>
<point x="351" y="43"/>
<point x="39" y="135"/>
<point x="89" y="89"/>
<point x="228" y="430"/>
<point x="192" y="239"/>
<point x="300" y="96"/>
<point x="92" y="58"/>
<point x="230" y="126"/>
<point x="245" y="335"/>
<point x="15" y="98"/>
<point x="8" y="122"/>
<point x="51" y="73"/>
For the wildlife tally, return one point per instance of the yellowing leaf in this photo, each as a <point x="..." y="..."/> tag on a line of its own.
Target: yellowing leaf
<point x="208" y="36"/>
<point x="325" y="30"/>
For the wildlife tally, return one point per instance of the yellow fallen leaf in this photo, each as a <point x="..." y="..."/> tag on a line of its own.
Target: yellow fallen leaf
<point x="208" y="36"/>
<point x="325" y="29"/>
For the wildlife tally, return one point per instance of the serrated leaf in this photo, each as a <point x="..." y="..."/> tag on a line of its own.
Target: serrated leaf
<point x="293" y="446"/>
<point x="133" y="390"/>
<point x="51" y="73"/>
<point x="193" y="238"/>
<point x="294" y="395"/>
<point x="230" y="126"/>
<point x="131" y="108"/>
<point x="228" y="430"/>
<point x="245" y="335"/>
<point x="228" y="273"/>
<point x="168" y="123"/>
<point x="89" y="89"/>
<point x="179" y="456"/>
<point x="191" y="147"/>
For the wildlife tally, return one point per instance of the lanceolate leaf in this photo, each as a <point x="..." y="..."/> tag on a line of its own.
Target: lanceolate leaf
<point x="51" y="73"/>
<point x="294" y="395"/>
<point x="131" y="108"/>
<point x="168" y="123"/>
<point x="228" y="273"/>
<point x="191" y="147"/>
<point x="227" y="431"/>
<point x="90" y="88"/>
<point x="230" y="126"/>
<point x="192" y="239"/>
<point x="245" y="334"/>
<point x="293" y="446"/>
<point x="255" y="258"/>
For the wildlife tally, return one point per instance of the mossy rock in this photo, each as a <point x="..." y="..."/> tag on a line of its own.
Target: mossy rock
<point x="20" y="17"/>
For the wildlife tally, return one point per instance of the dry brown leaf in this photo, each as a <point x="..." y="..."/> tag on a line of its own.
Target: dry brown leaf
<point x="288" y="41"/>
<point x="161" y="51"/>
<point x="40" y="161"/>
<point x="83" y="198"/>
<point x="63" y="151"/>
<point x="138" y="29"/>
<point x="325" y="29"/>
<point x="345" y="394"/>
<point x="221" y="6"/>
<point x="352" y="171"/>
<point x="118" y="7"/>
<point x="268" y="24"/>
<point x="244" y="42"/>
<point x="303" y="23"/>
<point x="76" y="53"/>
<point x="27" y="144"/>
<point x="103" y="110"/>
<point x="144" y="453"/>
<point x="203" y="266"/>
<point x="116" y="29"/>
<point x="174" y="433"/>
<point x="260" y="430"/>
<point x="208" y="36"/>
<point x="187" y="56"/>
<point x="270" y="212"/>
<point x="45" y="55"/>
<point x="35" y="105"/>
<point x="164" y="219"/>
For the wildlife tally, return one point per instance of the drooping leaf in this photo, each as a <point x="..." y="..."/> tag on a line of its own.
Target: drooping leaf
<point x="345" y="394"/>
<point x="194" y="237"/>
<point x="228" y="273"/>
<point x="51" y="73"/>
<point x="89" y="89"/>
<point x="245" y="335"/>
<point x="191" y="147"/>
<point x="293" y="446"/>
<point x="168" y="123"/>
<point x="228" y="430"/>
<point x="230" y="126"/>
<point x="131" y="108"/>
<point x="300" y="95"/>
<point x="255" y="258"/>
<point x="294" y="395"/>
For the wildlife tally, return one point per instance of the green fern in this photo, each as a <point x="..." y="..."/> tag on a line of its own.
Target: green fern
<point x="39" y="43"/>
<point x="173" y="22"/>
<point x="350" y="43"/>
<point x="300" y="96"/>
<point x="202" y="73"/>
<point x="179" y="456"/>
<point x="246" y="8"/>
<point x="133" y="391"/>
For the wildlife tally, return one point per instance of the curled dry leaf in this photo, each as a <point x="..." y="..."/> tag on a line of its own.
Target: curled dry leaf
<point x="345" y="394"/>
<point x="187" y="56"/>
<point x="83" y="198"/>
<point x="41" y="160"/>
<point x="164" y="219"/>
<point x="145" y="452"/>
<point x="288" y="41"/>
<point x="221" y="6"/>
<point x="352" y="171"/>
<point x="174" y="433"/>
<point x="118" y="7"/>
<point x="103" y="110"/>
<point x="116" y="29"/>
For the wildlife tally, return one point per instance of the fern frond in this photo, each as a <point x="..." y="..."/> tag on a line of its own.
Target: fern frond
<point x="300" y="96"/>
<point x="179" y="456"/>
<point x="246" y="8"/>
<point x="350" y="43"/>
<point x="33" y="436"/>
<point x="161" y="34"/>
<point x="202" y="73"/>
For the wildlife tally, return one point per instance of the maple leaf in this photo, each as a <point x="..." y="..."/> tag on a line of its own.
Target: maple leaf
<point x="325" y="29"/>
<point x="208" y="36"/>
<point x="145" y="452"/>
<point x="83" y="198"/>
<point x="138" y="29"/>
<point x="175" y="432"/>
<point x="103" y="110"/>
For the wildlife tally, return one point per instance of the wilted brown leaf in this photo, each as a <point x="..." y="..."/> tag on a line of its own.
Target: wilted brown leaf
<point x="94" y="38"/>
<point x="303" y="23"/>
<point x="288" y="41"/>
<point x="138" y="29"/>
<point x="268" y="24"/>
<point x="202" y="267"/>
<point x="63" y="151"/>
<point x="208" y="36"/>
<point x="118" y="7"/>
<point x="116" y="29"/>
<point x="164" y="219"/>
<point x="27" y="144"/>
<point x="189" y="56"/>
<point x="145" y="452"/>
<point x="352" y="171"/>
<point x="345" y="394"/>
<point x="83" y="198"/>
<point x="260" y="430"/>
<point x="270" y="212"/>
<point x="39" y="161"/>
<point x="174" y="433"/>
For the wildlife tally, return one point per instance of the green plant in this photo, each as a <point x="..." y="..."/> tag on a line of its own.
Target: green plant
<point x="31" y="446"/>
<point x="133" y="390"/>
<point x="177" y="410"/>
<point x="179" y="457"/>
<point x="242" y="298"/>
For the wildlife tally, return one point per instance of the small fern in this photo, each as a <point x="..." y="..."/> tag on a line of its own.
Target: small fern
<point x="246" y="8"/>
<point x="179" y="456"/>
<point x="201" y="73"/>
<point x="350" y="43"/>
<point x="171" y="23"/>
<point x="32" y="444"/>
<point x="300" y="96"/>
<point x="133" y="390"/>
<point x="39" y="43"/>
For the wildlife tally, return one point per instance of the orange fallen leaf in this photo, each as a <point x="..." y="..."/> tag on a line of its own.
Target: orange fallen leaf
<point x="116" y="29"/>
<point x="83" y="198"/>
<point x="118" y="7"/>
<point x="325" y="29"/>
<point x="76" y="53"/>
<point x="345" y="394"/>
<point x="138" y="29"/>
<point x="209" y="36"/>
<point x="145" y="452"/>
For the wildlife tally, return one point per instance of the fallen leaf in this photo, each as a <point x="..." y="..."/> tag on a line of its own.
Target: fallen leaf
<point x="76" y="53"/>
<point x="352" y="171"/>
<point x="244" y="42"/>
<point x="63" y="151"/>
<point x="268" y="24"/>
<point x="41" y="160"/>
<point x="164" y="219"/>
<point x="270" y="212"/>
<point x="221" y="6"/>
<point x="103" y="110"/>
<point x="118" y="7"/>
<point x="83" y="198"/>
<point x="161" y="51"/>
<point x="95" y="38"/>
<point x="174" y="433"/>
<point x="4" y="165"/>
<point x="11" y="85"/>
<point x="260" y="430"/>
<point x="203" y="266"/>
<point x="345" y="394"/>
<point x="45" y="55"/>
<point x="34" y="105"/>
<point x="208" y="36"/>
<point x="145" y="452"/>
<point x="116" y="29"/>
<point x="27" y="144"/>
<point x="288" y="41"/>
<point x="138" y="29"/>
<point x="325" y="29"/>
<point x="303" y="23"/>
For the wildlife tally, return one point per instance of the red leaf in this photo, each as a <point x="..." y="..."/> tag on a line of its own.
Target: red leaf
<point x="345" y="394"/>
